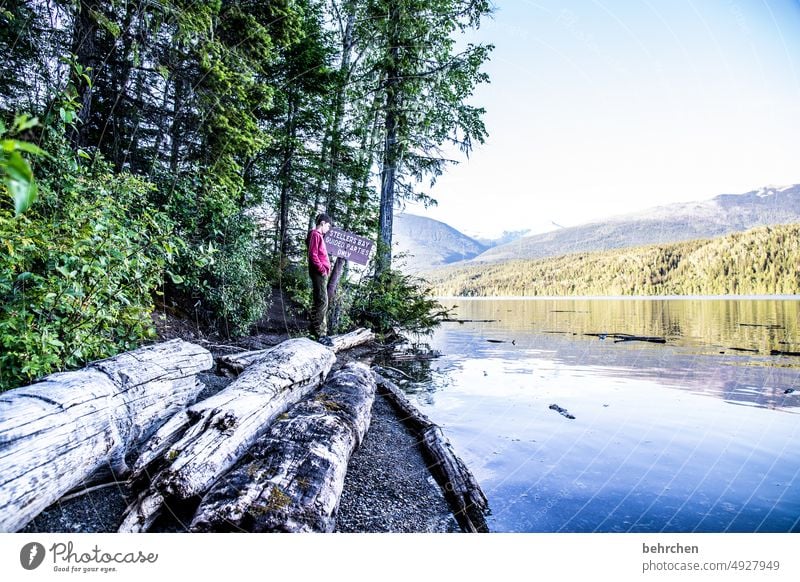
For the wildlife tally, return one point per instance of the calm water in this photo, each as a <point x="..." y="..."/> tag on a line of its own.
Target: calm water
<point x="701" y="433"/>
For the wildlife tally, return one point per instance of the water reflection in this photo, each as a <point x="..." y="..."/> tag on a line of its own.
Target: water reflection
<point x="754" y="324"/>
<point x="683" y="436"/>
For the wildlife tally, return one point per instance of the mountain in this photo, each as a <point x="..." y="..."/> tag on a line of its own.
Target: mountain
<point x="724" y="214"/>
<point x="507" y="237"/>
<point x="428" y="243"/>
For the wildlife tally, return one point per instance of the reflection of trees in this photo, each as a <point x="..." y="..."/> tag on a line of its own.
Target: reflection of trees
<point x="742" y="323"/>
<point x="409" y="366"/>
<point x="697" y="357"/>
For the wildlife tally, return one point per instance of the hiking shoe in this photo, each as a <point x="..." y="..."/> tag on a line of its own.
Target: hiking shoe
<point x="326" y="341"/>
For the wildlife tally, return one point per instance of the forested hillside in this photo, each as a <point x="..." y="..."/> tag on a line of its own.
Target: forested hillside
<point x="177" y="152"/>
<point x="764" y="260"/>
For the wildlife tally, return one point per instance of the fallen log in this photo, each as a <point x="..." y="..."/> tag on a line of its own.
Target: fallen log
<point x="352" y="339"/>
<point x="459" y="485"/>
<point x="291" y="480"/>
<point x="236" y="363"/>
<point x="56" y="434"/>
<point x="198" y="445"/>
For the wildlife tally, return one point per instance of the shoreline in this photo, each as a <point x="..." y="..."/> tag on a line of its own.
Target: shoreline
<point x="388" y="486"/>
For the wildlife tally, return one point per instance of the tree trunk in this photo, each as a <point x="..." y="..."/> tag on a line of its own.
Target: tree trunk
<point x="55" y="434"/>
<point x="334" y="165"/>
<point x="334" y="305"/>
<point x="333" y="280"/>
<point x="236" y="363"/>
<point x="460" y="487"/>
<point x="391" y="150"/>
<point x="294" y="476"/>
<point x="84" y="47"/>
<point x="201" y="443"/>
<point x="285" y="178"/>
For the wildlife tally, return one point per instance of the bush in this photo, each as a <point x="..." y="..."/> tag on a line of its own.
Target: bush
<point x="77" y="272"/>
<point x="222" y="271"/>
<point x="394" y="300"/>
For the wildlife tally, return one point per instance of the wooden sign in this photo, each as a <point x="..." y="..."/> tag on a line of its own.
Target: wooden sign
<point x="348" y="246"/>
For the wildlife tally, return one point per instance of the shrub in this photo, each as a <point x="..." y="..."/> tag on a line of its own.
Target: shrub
<point x="77" y="271"/>
<point x="394" y="300"/>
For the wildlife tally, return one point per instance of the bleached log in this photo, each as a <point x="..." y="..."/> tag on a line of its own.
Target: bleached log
<point x="203" y="442"/>
<point x="55" y="434"/>
<point x="236" y="363"/>
<point x="458" y="484"/>
<point x="293" y="477"/>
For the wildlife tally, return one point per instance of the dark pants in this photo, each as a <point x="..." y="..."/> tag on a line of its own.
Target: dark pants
<point x="319" y="307"/>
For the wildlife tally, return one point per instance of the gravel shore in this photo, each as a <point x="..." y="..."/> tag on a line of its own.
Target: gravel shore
<point x="388" y="487"/>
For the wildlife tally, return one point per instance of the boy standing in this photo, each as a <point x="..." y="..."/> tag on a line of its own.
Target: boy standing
<point x="319" y="267"/>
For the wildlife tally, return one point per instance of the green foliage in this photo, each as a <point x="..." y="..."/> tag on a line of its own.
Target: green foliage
<point x="221" y="271"/>
<point x="238" y="280"/>
<point x="77" y="274"/>
<point x="15" y="173"/>
<point x="393" y="300"/>
<point x="764" y="260"/>
<point x="189" y="142"/>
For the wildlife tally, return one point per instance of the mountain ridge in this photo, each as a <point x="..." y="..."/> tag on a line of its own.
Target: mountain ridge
<point x="681" y="221"/>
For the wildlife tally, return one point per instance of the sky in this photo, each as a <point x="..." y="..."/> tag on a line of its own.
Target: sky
<point x="603" y="107"/>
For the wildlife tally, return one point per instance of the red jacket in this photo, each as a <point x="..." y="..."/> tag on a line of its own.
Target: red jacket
<point x="318" y="252"/>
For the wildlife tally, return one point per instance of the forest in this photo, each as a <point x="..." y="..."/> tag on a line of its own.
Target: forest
<point x="173" y="154"/>
<point x="761" y="261"/>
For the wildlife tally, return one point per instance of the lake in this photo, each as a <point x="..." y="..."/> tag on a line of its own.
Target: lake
<point x="697" y="434"/>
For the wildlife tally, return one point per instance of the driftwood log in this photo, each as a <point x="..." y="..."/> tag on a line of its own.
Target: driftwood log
<point x="459" y="485"/>
<point x="200" y="444"/>
<point x="291" y="480"/>
<point x="55" y="434"/>
<point x="236" y="363"/>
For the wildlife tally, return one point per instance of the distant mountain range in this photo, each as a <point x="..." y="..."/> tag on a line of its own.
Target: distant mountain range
<point x="436" y="244"/>
<point x="423" y="243"/>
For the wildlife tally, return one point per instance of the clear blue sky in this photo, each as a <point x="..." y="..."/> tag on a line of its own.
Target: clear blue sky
<point x="598" y="108"/>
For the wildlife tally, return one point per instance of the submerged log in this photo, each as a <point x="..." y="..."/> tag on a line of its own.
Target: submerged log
<point x="201" y="443"/>
<point x="293" y="476"/>
<point x="562" y="411"/>
<point x="236" y="363"/>
<point x="626" y="337"/>
<point x="55" y="434"/>
<point x="783" y="353"/>
<point x="459" y="485"/>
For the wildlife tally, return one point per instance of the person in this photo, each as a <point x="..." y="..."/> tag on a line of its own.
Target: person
<point x="319" y="267"/>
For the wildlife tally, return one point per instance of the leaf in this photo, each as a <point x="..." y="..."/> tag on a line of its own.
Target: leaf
<point x="176" y="279"/>
<point x="19" y="180"/>
<point x="24" y="122"/>
<point x="30" y="148"/>
<point x="17" y="168"/>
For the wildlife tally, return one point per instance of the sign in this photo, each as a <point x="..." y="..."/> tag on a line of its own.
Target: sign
<point x="348" y="246"/>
